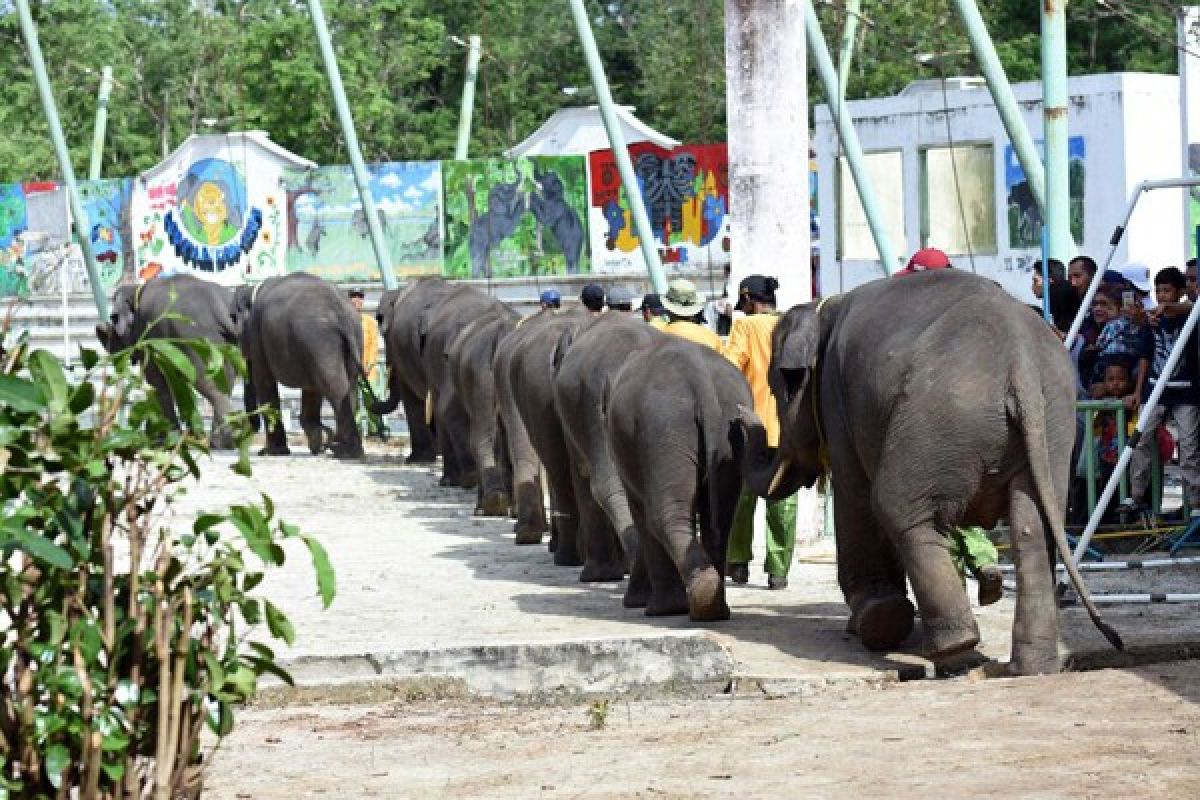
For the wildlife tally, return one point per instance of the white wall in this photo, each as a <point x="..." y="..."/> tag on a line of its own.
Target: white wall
<point x="1130" y="127"/>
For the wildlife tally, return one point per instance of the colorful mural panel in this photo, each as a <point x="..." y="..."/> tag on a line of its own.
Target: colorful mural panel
<point x="12" y="224"/>
<point x="215" y="208"/>
<point x="686" y="194"/>
<point x="1024" y="217"/>
<point x="106" y="204"/>
<point x="327" y="231"/>
<point x="512" y="218"/>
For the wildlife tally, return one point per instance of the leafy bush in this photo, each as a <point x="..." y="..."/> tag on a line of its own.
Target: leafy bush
<point x="121" y="636"/>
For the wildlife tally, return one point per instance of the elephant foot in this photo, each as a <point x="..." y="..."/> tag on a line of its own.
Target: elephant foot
<point x="636" y="596"/>
<point x="448" y="481"/>
<point x="668" y="604"/>
<point x="316" y="441"/>
<point x="221" y="440"/>
<point x="882" y="623"/>
<point x="602" y="573"/>
<point x="275" y="450"/>
<point x="468" y="480"/>
<point x="495" y="504"/>
<point x="528" y="536"/>
<point x="946" y="637"/>
<point x="706" y="597"/>
<point x="349" y="451"/>
<point x="991" y="585"/>
<point x="567" y="556"/>
<point x="423" y="457"/>
<point x="1035" y="659"/>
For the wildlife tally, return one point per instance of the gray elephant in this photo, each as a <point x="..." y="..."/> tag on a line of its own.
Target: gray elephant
<point x="941" y="401"/>
<point x="300" y="331"/>
<point x="535" y="345"/>
<point x="673" y="417"/>
<point x="470" y="363"/>
<point x="440" y="326"/>
<point x="527" y="499"/>
<point x="404" y="316"/>
<point x="587" y="365"/>
<point x="137" y="311"/>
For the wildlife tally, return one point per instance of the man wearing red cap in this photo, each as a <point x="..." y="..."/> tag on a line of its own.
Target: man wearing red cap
<point x="926" y="259"/>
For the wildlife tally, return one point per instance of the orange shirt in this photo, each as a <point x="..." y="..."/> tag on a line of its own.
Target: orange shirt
<point x="749" y="349"/>
<point x="694" y="333"/>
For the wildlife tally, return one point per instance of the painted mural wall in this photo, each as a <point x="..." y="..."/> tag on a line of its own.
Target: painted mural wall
<point x="1024" y="217"/>
<point x="327" y="231"/>
<point x="686" y="193"/>
<point x="216" y="208"/>
<point x="511" y="218"/>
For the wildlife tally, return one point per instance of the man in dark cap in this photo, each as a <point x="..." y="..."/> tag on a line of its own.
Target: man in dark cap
<point x="620" y="299"/>
<point x="593" y="298"/>
<point x="653" y="311"/>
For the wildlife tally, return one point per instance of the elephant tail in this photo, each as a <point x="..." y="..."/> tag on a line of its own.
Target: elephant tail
<point x="392" y="402"/>
<point x="1028" y="409"/>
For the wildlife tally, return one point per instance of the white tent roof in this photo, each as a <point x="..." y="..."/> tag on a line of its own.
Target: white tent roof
<point x="579" y="130"/>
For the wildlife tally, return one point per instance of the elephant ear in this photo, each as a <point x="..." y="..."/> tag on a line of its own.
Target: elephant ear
<point x="797" y="342"/>
<point x="424" y="323"/>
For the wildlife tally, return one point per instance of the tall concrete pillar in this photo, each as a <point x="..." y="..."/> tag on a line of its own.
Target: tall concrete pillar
<point x="767" y="109"/>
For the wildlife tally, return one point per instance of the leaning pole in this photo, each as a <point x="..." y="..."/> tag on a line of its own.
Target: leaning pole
<point x="79" y="219"/>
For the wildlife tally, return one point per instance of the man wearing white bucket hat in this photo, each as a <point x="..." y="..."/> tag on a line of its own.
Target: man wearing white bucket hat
<point x="683" y="302"/>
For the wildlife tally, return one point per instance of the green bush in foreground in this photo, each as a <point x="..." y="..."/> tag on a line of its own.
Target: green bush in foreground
<point x="121" y="637"/>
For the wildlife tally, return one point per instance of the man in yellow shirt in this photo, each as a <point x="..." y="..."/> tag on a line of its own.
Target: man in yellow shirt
<point x="683" y="304"/>
<point x="370" y="363"/>
<point x="749" y="349"/>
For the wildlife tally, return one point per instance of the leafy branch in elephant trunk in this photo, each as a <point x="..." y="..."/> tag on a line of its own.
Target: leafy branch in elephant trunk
<point x="123" y="631"/>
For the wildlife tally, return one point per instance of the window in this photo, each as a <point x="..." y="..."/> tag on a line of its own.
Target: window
<point x="958" y="199"/>
<point x="886" y="171"/>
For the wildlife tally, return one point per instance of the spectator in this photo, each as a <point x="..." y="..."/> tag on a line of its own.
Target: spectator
<point x="749" y="349"/>
<point x="1064" y="302"/>
<point x="1105" y="308"/>
<point x="1138" y="276"/>
<point x="1080" y="271"/>
<point x="593" y="298"/>
<point x="684" y="306"/>
<point x="370" y="365"/>
<point x="1123" y="338"/>
<point x="652" y="310"/>
<point x="1190" y="274"/>
<point x="1178" y="400"/>
<point x="620" y="299"/>
<point x="1118" y="384"/>
<point x="550" y="298"/>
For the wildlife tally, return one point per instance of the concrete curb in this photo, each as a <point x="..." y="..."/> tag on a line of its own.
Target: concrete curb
<point x="528" y="669"/>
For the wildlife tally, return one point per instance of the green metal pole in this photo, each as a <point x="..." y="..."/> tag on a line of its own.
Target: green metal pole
<point x="849" y="137"/>
<point x="616" y="140"/>
<point x="1057" y="216"/>
<point x="106" y="81"/>
<point x="361" y="179"/>
<point x="468" y="99"/>
<point x="1005" y="100"/>
<point x="46" y="92"/>
<point x="849" y="38"/>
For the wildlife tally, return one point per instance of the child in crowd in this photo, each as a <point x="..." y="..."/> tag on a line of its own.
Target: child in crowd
<point x="1123" y="338"/>
<point x="1117" y="385"/>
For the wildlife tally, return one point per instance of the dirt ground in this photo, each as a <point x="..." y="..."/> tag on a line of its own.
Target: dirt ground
<point x="1111" y="734"/>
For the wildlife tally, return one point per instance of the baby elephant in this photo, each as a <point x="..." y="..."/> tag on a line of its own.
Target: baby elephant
<point x="672" y="414"/>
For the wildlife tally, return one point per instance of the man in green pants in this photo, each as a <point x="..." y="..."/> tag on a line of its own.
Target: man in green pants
<point x="749" y="349"/>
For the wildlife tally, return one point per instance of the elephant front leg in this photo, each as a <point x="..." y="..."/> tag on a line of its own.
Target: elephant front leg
<point x="1035" y="619"/>
<point x="947" y="621"/>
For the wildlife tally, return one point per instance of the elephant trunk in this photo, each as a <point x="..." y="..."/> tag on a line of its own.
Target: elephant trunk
<point x="767" y="471"/>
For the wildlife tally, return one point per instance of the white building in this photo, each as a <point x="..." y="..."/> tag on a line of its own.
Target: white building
<point x="945" y="176"/>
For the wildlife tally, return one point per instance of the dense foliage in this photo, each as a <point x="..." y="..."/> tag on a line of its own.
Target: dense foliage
<point x="122" y="631"/>
<point x="185" y="66"/>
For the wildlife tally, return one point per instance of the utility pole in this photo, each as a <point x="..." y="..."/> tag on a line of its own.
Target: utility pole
<point x="468" y="99"/>
<point x="361" y="179"/>
<point x="849" y="38"/>
<point x="1057" y="217"/>
<point x="767" y="110"/>
<point x="46" y="93"/>
<point x="106" y="80"/>
<point x="616" y="140"/>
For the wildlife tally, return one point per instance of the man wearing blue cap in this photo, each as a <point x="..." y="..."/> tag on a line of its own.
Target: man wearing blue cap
<point x="550" y="298"/>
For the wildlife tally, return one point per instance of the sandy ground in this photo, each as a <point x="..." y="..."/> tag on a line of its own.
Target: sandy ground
<point x="1100" y="734"/>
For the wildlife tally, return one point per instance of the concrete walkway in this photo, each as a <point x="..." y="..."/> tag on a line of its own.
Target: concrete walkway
<point x="427" y="590"/>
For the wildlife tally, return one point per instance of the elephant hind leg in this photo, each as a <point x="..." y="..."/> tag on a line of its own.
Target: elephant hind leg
<point x="310" y="420"/>
<point x="948" y="624"/>
<point x="1035" y="619"/>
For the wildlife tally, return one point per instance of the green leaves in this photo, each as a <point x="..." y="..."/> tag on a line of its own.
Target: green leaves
<point x="20" y="395"/>
<point x="43" y="549"/>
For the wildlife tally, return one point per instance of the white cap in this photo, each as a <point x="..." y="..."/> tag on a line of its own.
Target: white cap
<point x="1138" y="274"/>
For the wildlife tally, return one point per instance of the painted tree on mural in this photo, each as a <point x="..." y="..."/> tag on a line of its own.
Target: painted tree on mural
<point x="200" y="66"/>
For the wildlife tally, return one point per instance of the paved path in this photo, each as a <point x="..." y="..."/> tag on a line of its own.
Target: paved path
<point x="426" y="588"/>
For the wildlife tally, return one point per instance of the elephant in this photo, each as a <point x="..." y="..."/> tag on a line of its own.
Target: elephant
<point x="470" y="362"/>
<point x="299" y="331"/>
<point x="137" y="311"/>
<point x="936" y="400"/>
<point x="673" y="415"/>
<point x="527" y="498"/>
<point x="535" y="345"/>
<point x="403" y="316"/>
<point x="438" y="328"/>
<point x="581" y="379"/>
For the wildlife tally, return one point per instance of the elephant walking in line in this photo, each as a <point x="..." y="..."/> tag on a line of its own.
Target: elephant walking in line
<point x="583" y="376"/>
<point x="438" y="329"/>
<point x="941" y="401"/>
<point x="470" y="363"/>
<point x="300" y="331"/>
<point x="531" y="376"/>
<point x="207" y="307"/>
<point x="404" y="316"/>
<point x="673" y="417"/>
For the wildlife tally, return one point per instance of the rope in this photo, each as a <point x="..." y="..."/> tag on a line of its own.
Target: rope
<point x="962" y="214"/>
